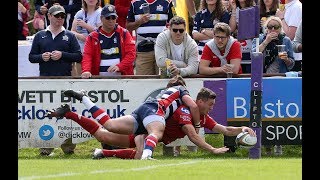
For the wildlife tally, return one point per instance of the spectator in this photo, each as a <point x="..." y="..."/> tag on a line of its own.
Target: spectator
<point x="55" y="48"/>
<point x="223" y="49"/>
<point x="70" y="6"/>
<point x="109" y="50"/>
<point x="268" y="46"/>
<point x="267" y="8"/>
<point x="226" y="4"/>
<point x="148" y="25"/>
<point x="291" y="18"/>
<point x="177" y="45"/>
<point x="273" y="63"/>
<point x="210" y="13"/>
<point x="23" y="15"/>
<point x="246" y="44"/>
<point x="122" y="7"/>
<point x="38" y="22"/>
<point x="297" y="41"/>
<point x="86" y="20"/>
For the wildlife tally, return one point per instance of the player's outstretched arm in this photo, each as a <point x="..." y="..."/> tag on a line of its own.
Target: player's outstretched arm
<point x="231" y="130"/>
<point x="194" y="137"/>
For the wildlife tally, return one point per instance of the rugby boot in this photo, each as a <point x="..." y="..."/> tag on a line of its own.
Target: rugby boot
<point x="75" y="94"/>
<point x="60" y="112"/>
<point x="97" y="154"/>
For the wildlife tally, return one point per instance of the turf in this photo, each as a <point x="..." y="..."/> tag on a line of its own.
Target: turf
<point x="215" y="168"/>
<point x="189" y="165"/>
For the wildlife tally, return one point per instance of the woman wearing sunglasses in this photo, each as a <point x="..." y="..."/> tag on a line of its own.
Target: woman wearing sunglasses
<point x="274" y="35"/>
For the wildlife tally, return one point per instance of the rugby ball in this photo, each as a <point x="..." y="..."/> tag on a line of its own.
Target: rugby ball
<point x="244" y="139"/>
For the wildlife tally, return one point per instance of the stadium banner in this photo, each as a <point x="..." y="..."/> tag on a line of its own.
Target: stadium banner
<point x="118" y="97"/>
<point x="281" y="108"/>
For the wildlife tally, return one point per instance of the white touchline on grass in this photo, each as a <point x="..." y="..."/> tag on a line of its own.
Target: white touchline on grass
<point x="107" y="171"/>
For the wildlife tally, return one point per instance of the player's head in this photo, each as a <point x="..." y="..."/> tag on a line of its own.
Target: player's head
<point x="176" y="80"/>
<point x="205" y="100"/>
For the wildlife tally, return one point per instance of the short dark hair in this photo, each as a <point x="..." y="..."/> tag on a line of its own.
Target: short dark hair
<point x="205" y="94"/>
<point x="222" y="27"/>
<point x="177" y="20"/>
<point x="176" y="80"/>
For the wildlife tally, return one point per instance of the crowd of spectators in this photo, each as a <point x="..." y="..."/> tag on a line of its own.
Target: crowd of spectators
<point x="83" y="17"/>
<point x="137" y="37"/>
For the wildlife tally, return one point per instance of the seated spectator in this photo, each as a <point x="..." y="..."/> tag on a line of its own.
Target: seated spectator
<point x="23" y="15"/>
<point x="110" y="50"/>
<point x="223" y="49"/>
<point x="267" y="8"/>
<point x="176" y="45"/>
<point x="86" y="20"/>
<point x="273" y="63"/>
<point x="297" y="41"/>
<point x="210" y="13"/>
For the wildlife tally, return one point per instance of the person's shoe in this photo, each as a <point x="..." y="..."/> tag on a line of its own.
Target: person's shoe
<point x="277" y="150"/>
<point x="75" y="94"/>
<point x="46" y="151"/>
<point x="59" y="112"/>
<point x="268" y="150"/>
<point x="97" y="154"/>
<point x="147" y="158"/>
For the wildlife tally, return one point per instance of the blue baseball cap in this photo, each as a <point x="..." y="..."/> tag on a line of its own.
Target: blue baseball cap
<point x="109" y="10"/>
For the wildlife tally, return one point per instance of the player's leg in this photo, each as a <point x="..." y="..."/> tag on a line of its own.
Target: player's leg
<point x="121" y="125"/>
<point x="155" y="126"/>
<point x="91" y="126"/>
<point x="119" y="153"/>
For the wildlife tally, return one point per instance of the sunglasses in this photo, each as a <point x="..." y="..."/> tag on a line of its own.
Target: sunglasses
<point x="111" y="17"/>
<point x="60" y="15"/>
<point x="276" y="27"/>
<point x="176" y="30"/>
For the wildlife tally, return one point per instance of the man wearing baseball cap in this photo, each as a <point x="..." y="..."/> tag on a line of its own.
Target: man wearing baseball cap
<point x="56" y="9"/>
<point x="55" y="49"/>
<point x="110" y="50"/>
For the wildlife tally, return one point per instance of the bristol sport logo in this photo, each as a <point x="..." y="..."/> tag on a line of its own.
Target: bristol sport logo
<point x="185" y="110"/>
<point x="46" y="132"/>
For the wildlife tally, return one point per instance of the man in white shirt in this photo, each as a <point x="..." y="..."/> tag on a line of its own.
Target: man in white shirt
<point x="177" y="45"/>
<point x="291" y="18"/>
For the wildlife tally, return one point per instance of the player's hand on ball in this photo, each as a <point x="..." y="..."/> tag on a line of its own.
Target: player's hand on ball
<point x="249" y="130"/>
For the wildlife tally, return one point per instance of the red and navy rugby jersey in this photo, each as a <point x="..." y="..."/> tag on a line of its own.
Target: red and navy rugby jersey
<point x="180" y="117"/>
<point x="170" y="99"/>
